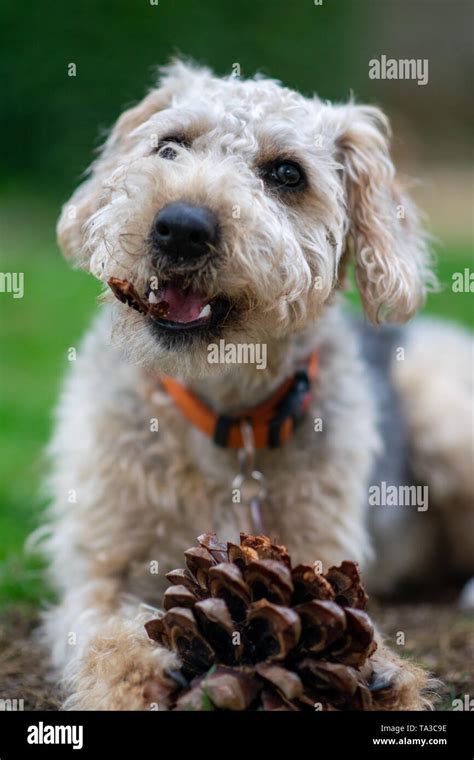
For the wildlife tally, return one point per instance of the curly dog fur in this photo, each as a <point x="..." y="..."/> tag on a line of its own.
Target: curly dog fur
<point x="126" y="495"/>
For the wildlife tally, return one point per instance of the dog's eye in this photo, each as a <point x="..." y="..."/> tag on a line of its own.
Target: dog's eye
<point x="285" y="175"/>
<point x="165" y="146"/>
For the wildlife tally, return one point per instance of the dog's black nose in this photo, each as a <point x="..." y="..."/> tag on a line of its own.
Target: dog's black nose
<point x="180" y="230"/>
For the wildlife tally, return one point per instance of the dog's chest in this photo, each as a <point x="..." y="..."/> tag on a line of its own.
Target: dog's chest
<point x="194" y="491"/>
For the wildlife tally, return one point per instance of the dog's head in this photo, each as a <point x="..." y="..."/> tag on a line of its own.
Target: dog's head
<point x="236" y="204"/>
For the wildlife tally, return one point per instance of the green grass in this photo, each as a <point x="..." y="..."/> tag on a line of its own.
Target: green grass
<point x="35" y="334"/>
<point x="446" y="304"/>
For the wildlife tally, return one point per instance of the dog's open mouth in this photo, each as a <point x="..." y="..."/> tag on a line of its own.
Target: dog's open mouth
<point x="173" y="306"/>
<point x="178" y="307"/>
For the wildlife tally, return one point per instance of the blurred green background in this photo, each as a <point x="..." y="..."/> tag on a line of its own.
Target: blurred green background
<point x="50" y="124"/>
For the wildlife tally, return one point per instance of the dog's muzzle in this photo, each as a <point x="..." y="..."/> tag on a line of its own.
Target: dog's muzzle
<point x="183" y="241"/>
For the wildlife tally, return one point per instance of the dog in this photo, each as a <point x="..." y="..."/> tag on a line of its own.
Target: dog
<point x="225" y="213"/>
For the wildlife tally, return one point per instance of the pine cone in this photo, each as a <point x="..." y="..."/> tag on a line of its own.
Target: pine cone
<point x="254" y="633"/>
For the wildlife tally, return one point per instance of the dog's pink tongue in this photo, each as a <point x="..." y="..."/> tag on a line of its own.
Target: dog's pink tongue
<point x="184" y="305"/>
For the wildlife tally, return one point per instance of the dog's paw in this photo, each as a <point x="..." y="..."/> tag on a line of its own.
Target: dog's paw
<point x="399" y="684"/>
<point x="121" y="670"/>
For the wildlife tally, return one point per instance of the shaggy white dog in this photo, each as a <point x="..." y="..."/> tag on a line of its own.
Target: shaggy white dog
<point x="237" y="206"/>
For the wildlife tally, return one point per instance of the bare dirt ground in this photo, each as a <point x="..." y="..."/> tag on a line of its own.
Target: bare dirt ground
<point x="23" y="663"/>
<point x="437" y="636"/>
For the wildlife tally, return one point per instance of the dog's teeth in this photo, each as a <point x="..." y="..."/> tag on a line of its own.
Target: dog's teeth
<point x="152" y="297"/>
<point x="205" y="311"/>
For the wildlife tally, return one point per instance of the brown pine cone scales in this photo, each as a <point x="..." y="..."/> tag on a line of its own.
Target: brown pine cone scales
<point x="253" y="632"/>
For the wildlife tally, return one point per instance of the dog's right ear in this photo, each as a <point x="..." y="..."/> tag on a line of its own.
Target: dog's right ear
<point x="91" y="194"/>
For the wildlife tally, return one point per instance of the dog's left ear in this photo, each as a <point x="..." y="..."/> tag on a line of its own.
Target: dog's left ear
<point x="391" y="254"/>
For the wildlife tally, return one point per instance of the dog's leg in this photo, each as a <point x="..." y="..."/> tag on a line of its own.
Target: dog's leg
<point x="108" y="485"/>
<point x="106" y="658"/>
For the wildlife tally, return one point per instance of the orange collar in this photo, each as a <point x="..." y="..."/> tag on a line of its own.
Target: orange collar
<point x="272" y="422"/>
